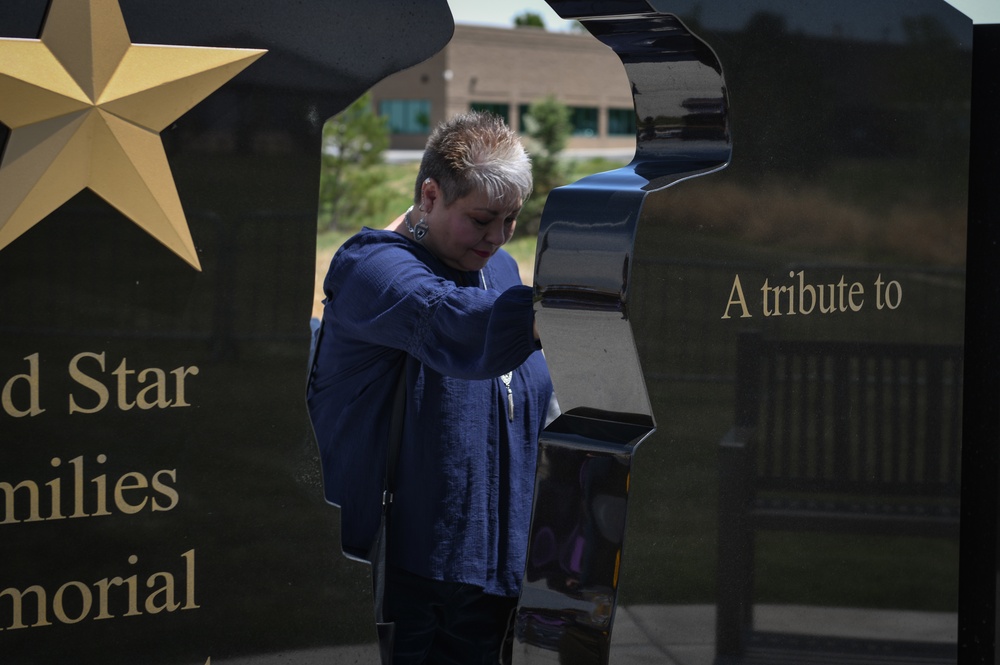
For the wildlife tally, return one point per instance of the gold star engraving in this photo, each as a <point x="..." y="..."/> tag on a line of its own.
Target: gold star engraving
<point x="85" y="108"/>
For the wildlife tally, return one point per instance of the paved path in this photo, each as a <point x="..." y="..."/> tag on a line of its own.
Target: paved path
<point x="685" y="634"/>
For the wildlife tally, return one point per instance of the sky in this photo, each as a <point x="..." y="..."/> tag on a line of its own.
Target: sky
<point x="501" y="13"/>
<point x="980" y="11"/>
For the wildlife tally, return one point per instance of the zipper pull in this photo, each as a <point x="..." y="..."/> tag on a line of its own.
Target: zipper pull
<point x="506" y="378"/>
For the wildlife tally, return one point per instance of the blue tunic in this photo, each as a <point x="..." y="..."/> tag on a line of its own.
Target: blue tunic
<point x="466" y="471"/>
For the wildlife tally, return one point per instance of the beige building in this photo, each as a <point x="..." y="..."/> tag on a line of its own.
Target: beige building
<point x="504" y="70"/>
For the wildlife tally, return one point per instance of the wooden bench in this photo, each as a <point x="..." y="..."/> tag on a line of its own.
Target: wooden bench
<point x="838" y="437"/>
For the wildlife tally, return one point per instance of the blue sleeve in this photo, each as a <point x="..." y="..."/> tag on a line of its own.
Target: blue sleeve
<point x="383" y="294"/>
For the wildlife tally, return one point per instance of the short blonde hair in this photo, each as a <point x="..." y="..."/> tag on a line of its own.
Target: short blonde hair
<point x="475" y="152"/>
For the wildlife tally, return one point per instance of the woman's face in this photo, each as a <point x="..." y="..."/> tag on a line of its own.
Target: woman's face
<point x="465" y="234"/>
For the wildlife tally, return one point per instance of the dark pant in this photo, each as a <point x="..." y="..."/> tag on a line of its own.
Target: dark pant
<point x="446" y="623"/>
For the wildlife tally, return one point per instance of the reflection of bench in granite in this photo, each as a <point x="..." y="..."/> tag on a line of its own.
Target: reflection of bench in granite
<point x="838" y="437"/>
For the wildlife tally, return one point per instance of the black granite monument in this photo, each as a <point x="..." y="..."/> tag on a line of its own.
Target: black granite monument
<point x="776" y="284"/>
<point x="160" y="498"/>
<point x="777" y="299"/>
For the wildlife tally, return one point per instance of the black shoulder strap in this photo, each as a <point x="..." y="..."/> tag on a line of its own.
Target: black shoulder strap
<point x="386" y="630"/>
<point x="395" y="433"/>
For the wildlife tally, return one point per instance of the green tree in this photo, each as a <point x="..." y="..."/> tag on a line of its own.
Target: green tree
<point x="547" y="129"/>
<point x="354" y="141"/>
<point x="530" y="20"/>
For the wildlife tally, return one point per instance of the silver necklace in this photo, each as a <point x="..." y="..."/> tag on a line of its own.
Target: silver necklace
<point x="506" y="378"/>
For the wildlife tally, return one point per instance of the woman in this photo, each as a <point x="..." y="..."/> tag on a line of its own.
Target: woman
<point x="434" y="296"/>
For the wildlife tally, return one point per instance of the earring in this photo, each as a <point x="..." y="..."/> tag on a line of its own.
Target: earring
<point x="420" y="230"/>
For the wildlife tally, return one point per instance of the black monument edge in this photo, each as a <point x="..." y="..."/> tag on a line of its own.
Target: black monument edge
<point x="978" y="569"/>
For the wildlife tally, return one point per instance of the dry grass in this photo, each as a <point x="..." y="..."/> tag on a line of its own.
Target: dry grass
<point x="780" y="216"/>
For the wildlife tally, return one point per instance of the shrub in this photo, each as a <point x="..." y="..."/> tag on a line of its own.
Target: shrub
<point x="351" y="179"/>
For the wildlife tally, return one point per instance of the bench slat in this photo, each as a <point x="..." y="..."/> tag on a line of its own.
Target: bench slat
<point x="842" y="437"/>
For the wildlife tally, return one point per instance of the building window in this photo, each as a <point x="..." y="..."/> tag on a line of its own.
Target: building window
<point x="584" y="120"/>
<point x="501" y="110"/>
<point x="621" y="122"/>
<point x="407" y="116"/>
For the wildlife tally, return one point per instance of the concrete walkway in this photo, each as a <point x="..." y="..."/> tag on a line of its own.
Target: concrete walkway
<point x="685" y="634"/>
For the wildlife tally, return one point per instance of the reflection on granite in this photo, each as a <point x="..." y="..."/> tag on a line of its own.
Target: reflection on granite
<point x="829" y="211"/>
<point x="583" y="293"/>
